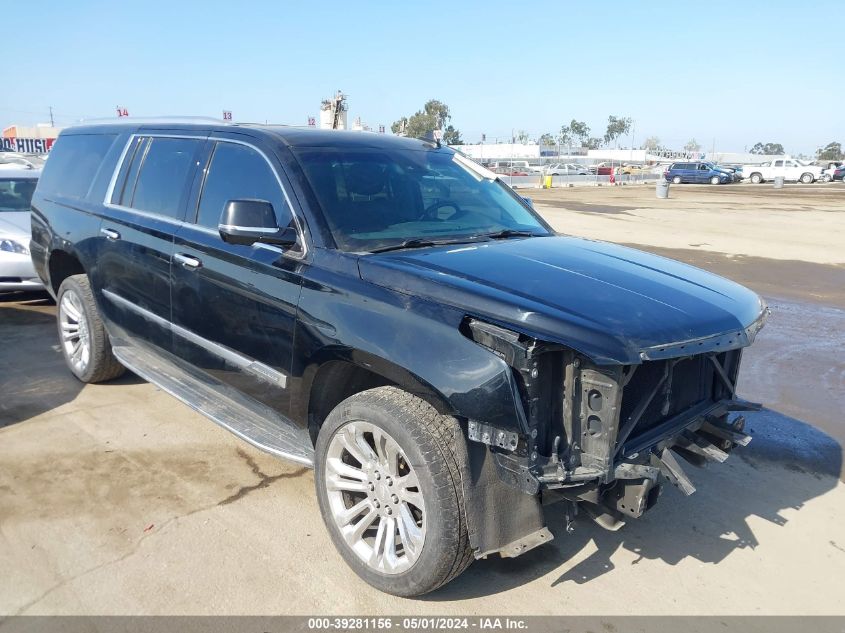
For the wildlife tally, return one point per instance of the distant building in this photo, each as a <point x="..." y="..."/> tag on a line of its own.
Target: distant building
<point x="333" y="112"/>
<point x="29" y="140"/>
<point x="492" y="151"/>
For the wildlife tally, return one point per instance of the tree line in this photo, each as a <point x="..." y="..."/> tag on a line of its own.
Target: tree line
<point x="435" y="115"/>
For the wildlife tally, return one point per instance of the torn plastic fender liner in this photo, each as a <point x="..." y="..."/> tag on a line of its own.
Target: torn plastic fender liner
<point x="500" y="518"/>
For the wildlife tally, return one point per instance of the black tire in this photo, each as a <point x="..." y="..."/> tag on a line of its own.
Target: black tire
<point x="102" y="365"/>
<point x="677" y="180"/>
<point x="431" y="443"/>
<point x="756" y="178"/>
<point x="714" y="180"/>
<point x="807" y="178"/>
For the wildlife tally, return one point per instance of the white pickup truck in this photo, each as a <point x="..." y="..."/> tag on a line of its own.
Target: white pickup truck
<point x="790" y="168"/>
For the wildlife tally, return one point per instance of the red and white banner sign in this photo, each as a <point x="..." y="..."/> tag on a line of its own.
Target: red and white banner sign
<point x="27" y="145"/>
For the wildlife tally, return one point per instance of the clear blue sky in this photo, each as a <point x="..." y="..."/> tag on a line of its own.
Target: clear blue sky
<point x="736" y="72"/>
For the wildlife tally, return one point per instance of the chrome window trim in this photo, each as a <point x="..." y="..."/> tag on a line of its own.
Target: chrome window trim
<point x="204" y="229"/>
<point x="147" y="214"/>
<point x="118" y="167"/>
<point x="254" y="367"/>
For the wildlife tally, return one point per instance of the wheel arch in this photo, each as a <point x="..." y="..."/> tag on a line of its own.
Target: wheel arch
<point x="339" y="373"/>
<point x="61" y="264"/>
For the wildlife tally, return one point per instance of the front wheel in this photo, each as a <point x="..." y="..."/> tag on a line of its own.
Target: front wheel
<point x="84" y="341"/>
<point x="388" y="478"/>
<point x="807" y="178"/>
<point x="714" y="180"/>
<point x="756" y="178"/>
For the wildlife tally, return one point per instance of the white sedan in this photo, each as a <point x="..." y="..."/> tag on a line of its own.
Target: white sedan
<point x="16" y="270"/>
<point x="566" y="169"/>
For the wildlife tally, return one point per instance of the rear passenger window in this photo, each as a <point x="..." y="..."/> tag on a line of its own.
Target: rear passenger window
<point x="74" y="161"/>
<point x="163" y="173"/>
<point x="238" y="172"/>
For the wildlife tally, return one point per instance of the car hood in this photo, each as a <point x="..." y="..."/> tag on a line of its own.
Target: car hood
<point x="15" y="224"/>
<point x="613" y="304"/>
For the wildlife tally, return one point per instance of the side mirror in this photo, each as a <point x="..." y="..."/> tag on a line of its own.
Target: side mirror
<point x="246" y="222"/>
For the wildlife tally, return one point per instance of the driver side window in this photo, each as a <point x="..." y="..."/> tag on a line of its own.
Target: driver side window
<point x="239" y="172"/>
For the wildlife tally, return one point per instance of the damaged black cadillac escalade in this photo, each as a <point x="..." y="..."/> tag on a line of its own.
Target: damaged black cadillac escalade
<point x="389" y="312"/>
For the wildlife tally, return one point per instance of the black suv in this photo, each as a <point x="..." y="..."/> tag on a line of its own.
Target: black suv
<point x="388" y="311"/>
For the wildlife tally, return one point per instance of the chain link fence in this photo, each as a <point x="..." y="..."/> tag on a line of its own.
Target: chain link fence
<point x="539" y="181"/>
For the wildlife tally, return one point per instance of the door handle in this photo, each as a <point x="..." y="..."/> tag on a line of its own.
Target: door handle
<point x="110" y="234"/>
<point x="187" y="261"/>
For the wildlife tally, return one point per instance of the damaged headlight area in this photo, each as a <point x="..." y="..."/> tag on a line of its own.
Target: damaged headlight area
<point x="604" y="438"/>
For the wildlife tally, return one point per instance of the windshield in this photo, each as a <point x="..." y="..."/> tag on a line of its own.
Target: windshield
<point x="16" y="194"/>
<point x="376" y="198"/>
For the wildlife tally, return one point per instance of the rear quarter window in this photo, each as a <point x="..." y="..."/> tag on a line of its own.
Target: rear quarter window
<point x="74" y="162"/>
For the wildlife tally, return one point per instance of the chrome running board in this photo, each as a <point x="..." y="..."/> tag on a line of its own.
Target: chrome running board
<point x="252" y="421"/>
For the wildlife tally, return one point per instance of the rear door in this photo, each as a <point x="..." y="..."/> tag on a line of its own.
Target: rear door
<point x="234" y="307"/>
<point x="145" y="205"/>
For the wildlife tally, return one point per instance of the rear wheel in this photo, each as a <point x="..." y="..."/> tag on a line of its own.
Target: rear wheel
<point x="388" y="480"/>
<point x="676" y="180"/>
<point x="807" y="178"/>
<point x="84" y="341"/>
<point x="756" y="178"/>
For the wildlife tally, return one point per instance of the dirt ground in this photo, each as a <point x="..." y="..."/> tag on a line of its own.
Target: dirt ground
<point x="117" y="499"/>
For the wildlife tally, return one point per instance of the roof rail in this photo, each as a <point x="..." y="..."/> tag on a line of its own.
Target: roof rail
<point x="154" y="120"/>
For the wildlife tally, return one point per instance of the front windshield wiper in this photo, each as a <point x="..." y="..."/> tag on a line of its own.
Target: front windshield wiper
<point x="419" y="242"/>
<point x="506" y="233"/>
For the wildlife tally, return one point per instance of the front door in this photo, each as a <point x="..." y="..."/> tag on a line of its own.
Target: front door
<point x="234" y="306"/>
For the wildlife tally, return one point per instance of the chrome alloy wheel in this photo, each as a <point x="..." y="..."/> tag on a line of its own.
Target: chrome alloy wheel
<point x="76" y="337"/>
<point x="375" y="497"/>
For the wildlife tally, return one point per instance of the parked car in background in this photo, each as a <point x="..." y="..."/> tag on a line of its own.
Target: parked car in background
<point x="697" y="172"/>
<point x="604" y="169"/>
<point x="513" y="171"/>
<point x="734" y="170"/>
<point x="16" y="269"/>
<point x="838" y="173"/>
<point x="631" y="169"/>
<point x="16" y="160"/>
<point x="566" y="169"/>
<point x="792" y="170"/>
<point x="515" y="165"/>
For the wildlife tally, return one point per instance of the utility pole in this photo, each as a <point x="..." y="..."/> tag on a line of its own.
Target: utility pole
<point x="51" y="117"/>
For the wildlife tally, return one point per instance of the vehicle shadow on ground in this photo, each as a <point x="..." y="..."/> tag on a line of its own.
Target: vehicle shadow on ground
<point x="787" y="464"/>
<point x="33" y="374"/>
